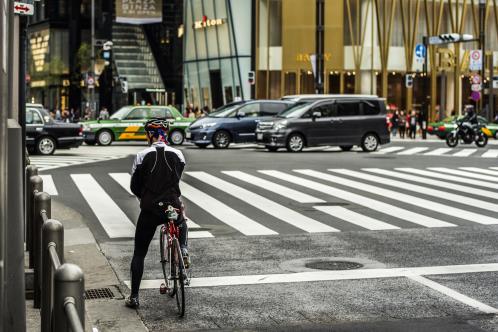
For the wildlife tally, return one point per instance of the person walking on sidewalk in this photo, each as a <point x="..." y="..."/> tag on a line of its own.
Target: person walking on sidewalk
<point x="402" y="124"/>
<point x="395" y="123"/>
<point x="155" y="180"/>
<point x="413" y="125"/>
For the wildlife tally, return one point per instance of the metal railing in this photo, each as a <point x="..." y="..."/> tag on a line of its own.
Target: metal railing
<point x="58" y="287"/>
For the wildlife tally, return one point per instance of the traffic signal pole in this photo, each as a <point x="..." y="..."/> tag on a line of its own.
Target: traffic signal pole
<point x="425" y="41"/>
<point x="320" y="30"/>
<point x="482" y="47"/>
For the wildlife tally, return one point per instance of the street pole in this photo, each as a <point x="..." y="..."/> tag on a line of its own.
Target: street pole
<point x="320" y="27"/>
<point x="482" y="47"/>
<point x="92" y="71"/>
<point x="425" y="41"/>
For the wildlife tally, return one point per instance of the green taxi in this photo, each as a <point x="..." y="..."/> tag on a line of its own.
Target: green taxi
<point x="127" y="124"/>
<point x="444" y="127"/>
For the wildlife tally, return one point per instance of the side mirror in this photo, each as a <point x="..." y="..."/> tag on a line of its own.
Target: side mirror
<point x="317" y="115"/>
<point x="241" y="114"/>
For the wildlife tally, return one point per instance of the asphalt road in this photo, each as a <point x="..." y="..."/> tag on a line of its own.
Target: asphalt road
<point x="426" y="240"/>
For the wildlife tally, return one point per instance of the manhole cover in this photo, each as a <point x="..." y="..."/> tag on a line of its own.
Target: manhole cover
<point x="99" y="293"/>
<point x="333" y="265"/>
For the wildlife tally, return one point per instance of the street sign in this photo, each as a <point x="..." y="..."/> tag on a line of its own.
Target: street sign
<point x="409" y="81"/>
<point x="495" y="82"/>
<point x="22" y="8"/>
<point x="476" y="95"/>
<point x="420" y="51"/>
<point x="476" y="87"/>
<point x="475" y="60"/>
<point x="476" y="79"/>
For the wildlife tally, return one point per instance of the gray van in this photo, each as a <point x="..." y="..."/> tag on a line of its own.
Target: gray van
<point x="344" y="120"/>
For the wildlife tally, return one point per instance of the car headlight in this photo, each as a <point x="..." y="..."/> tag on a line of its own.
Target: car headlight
<point x="280" y="125"/>
<point x="208" y="125"/>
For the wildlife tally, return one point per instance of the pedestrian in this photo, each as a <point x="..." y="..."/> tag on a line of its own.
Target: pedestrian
<point x="413" y="125"/>
<point x="496" y="118"/>
<point x="77" y="115"/>
<point x="402" y="124"/>
<point x="188" y="110"/>
<point x="58" y="115"/>
<point x="104" y="114"/>
<point x="395" y="123"/>
<point x="197" y="112"/>
<point x="205" y="111"/>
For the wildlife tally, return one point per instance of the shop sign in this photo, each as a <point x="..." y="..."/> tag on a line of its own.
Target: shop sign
<point x="22" y="8"/>
<point x="39" y="45"/>
<point x="304" y="57"/>
<point x="139" y="11"/>
<point x="38" y="84"/>
<point x="206" y="22"/>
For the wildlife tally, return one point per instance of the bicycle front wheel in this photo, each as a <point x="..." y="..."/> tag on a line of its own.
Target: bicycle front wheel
<point x="180" y="279"/>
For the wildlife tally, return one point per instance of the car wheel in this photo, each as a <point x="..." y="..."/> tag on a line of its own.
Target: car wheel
<point x="295" y="143"/>
<point x="176" y="137"/>
<point x="272" y="148"/>
<point x="45" y="146"/>
<point x="346" y="147"/>
<point x="90" y="142"/>
<point x="202" y="146"/>
<point x="370" y="142"/>
<point x="104" y="137"/>
<point x="221" y="139"/>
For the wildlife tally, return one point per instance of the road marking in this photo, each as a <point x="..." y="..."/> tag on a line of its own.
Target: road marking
<point x="448" y="177"/>
<point x="438" y="152"/>
<point x="274" y="187"/>
<point x="464" y="153"/>
<point x="223" y="212"/>
<point x="49" y="185"/>
<point x="314" y="276"/>
<point x="478" y="203"/>
<point x="412" y="151"/>
<point x="268" y="206"/>
<point x="454" y="294"/>
<point x="437" y="183"/>
<point x="494" y="168"/>
<point x="408" y="199"/>
<point x="355" y="218"/>
<point x="123" y="179"/>
<point x="492" y="153"/>
<point x="111" y="217"/>
<point x="373" y="204"/>
<point x="199" y="234"/>
<point x="389" y="149"/>
<point x="463" y="173"/>
<point x="479" y="170"/>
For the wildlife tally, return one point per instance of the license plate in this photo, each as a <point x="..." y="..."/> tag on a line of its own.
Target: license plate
<point x="259" y="136"/>
<point x="188" y="135"/>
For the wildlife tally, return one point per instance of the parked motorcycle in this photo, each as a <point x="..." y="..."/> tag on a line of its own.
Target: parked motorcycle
<point x="478" y="134"/>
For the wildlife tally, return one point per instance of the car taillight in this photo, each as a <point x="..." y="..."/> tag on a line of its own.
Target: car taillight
<point x="442" y="128"/>
<point x="81" y="131"/>
<point x="430" y="129"/>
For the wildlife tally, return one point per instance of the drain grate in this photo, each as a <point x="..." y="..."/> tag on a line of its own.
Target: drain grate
<point x="99" y="293"/>
<point x="333" y="265"/>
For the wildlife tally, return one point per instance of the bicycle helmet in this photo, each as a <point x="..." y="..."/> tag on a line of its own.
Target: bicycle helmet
<point x="157" y="128"/>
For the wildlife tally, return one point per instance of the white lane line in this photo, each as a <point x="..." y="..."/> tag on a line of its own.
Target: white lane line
<point x="49" y="185"/>
<point x="274" y="187"/>
<point x="463" y="173"/>
<point x="192" y="224"/>
<point x="449" y="177"/>
<point x="427" y="181"/>
<point x="465" y="200"/>
<point x="373" y="204"/>
<point x="408" y="199"/>
<point x="412" y="151"/>
<point x="454" y="294"/>
<point x="123" y="179"/>
<point x="492" y="153"/>
<point x="268" y="206"/>
<point x="355" y="218"/>
<point x="313" y="276"/>
<point x="199" y="234"/>
<point x="390" y="149"/>
<point x="438" y="152"/>
<point x="464" y="153"/>
<point x="479" y="170"/>
<point x="223" y="212"/>
<point x="111" y="217"/>
<point x="494" y="168"/>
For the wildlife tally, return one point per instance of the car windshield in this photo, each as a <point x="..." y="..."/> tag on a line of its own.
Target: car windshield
<point x="295" y="111"/>
<point x="225" y="113"/>
<point x="121" y="113"/>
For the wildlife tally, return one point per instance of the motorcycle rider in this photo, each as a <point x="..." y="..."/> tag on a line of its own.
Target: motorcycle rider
<point x="469" y="121"/>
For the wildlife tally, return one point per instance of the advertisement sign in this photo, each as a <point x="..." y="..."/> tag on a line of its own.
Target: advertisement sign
<point x="139" y="11"/>
<point x="475" y="60"/>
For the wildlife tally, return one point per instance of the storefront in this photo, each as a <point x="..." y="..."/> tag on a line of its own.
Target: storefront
<point x="217" y="51"/>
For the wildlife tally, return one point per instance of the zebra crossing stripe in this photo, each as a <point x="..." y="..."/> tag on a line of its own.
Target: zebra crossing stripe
<point x="355" y="218"/>
<point x="373" y="204"/>
<point x="274" y="187"/>
<point x="464" y="153"/>
<point x="49" y="185"/>
<point x="421" y="190"/>
<point x="463" y="173"/>
<point x="438" y="152"/>
<point x="268" y="206"/>
<point x="479" y="170"/>
<point x="199" y="234"/>
<point x="448" y="177"/>
<point x="437" y="183"/>
<point x="223" y="212"/>
<point x="390" y="149"/>
<point x="494" y="168"/>
<point x="492" y="153"/>
<point x="412" y="151"/>
<point x="111" y="217"/>
<point x="123" y="179"/>
<point x="408" y="199"/>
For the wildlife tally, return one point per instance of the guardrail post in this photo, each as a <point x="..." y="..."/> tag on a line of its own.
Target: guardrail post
<point x="34" y="182"/>
<point x="68" y="283"/>
<point x="42" y="203"/>
<point x="52" y="235"/>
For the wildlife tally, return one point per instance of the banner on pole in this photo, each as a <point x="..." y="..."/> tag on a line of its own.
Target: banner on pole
<point x="475" y="60"/>
<point x="139" y="11"/>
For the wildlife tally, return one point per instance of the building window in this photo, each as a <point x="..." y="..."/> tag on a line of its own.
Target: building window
<point x="307" y="82"/>
<point x="334" y="82"/>
<point x="290" y="83"/>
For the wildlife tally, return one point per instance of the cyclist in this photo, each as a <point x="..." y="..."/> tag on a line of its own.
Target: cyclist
<point x="156" y="174"/>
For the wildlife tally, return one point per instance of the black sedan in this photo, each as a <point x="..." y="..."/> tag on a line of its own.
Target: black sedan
<point x="44" y="135"/>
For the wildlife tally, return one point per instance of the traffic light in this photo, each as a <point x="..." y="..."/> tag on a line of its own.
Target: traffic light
<point x="251" y="78"/>
<point x="124" y="85"/>
<point x="409" y="81"/>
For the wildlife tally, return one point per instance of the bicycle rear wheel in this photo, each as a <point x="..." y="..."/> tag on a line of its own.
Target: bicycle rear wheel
<point x="165" y="259"/>
<point x="180" y="279"/>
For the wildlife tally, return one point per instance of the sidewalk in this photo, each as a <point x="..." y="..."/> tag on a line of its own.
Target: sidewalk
<point x="107" y="314"/>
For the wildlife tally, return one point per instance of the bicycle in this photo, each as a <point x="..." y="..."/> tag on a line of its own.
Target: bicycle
<point x="175" y="277"/>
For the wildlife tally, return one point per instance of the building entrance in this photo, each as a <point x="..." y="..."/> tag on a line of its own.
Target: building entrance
<point x="216" y="88"/>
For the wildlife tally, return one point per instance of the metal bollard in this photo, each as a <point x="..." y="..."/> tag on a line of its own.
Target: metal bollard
<point x="52" y="236"/>
<point x="35" y="183"/>
<point x="42" y="203"/>
<point x="68" y="283"/>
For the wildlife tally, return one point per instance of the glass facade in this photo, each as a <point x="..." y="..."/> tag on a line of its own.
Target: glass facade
<point x="217" y="51"/>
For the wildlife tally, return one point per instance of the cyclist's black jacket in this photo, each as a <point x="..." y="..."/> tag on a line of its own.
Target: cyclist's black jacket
<point x="156" y="175"/>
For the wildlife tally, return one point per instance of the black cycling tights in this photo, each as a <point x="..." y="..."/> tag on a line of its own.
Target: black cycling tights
<point x="146" y="227"/>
